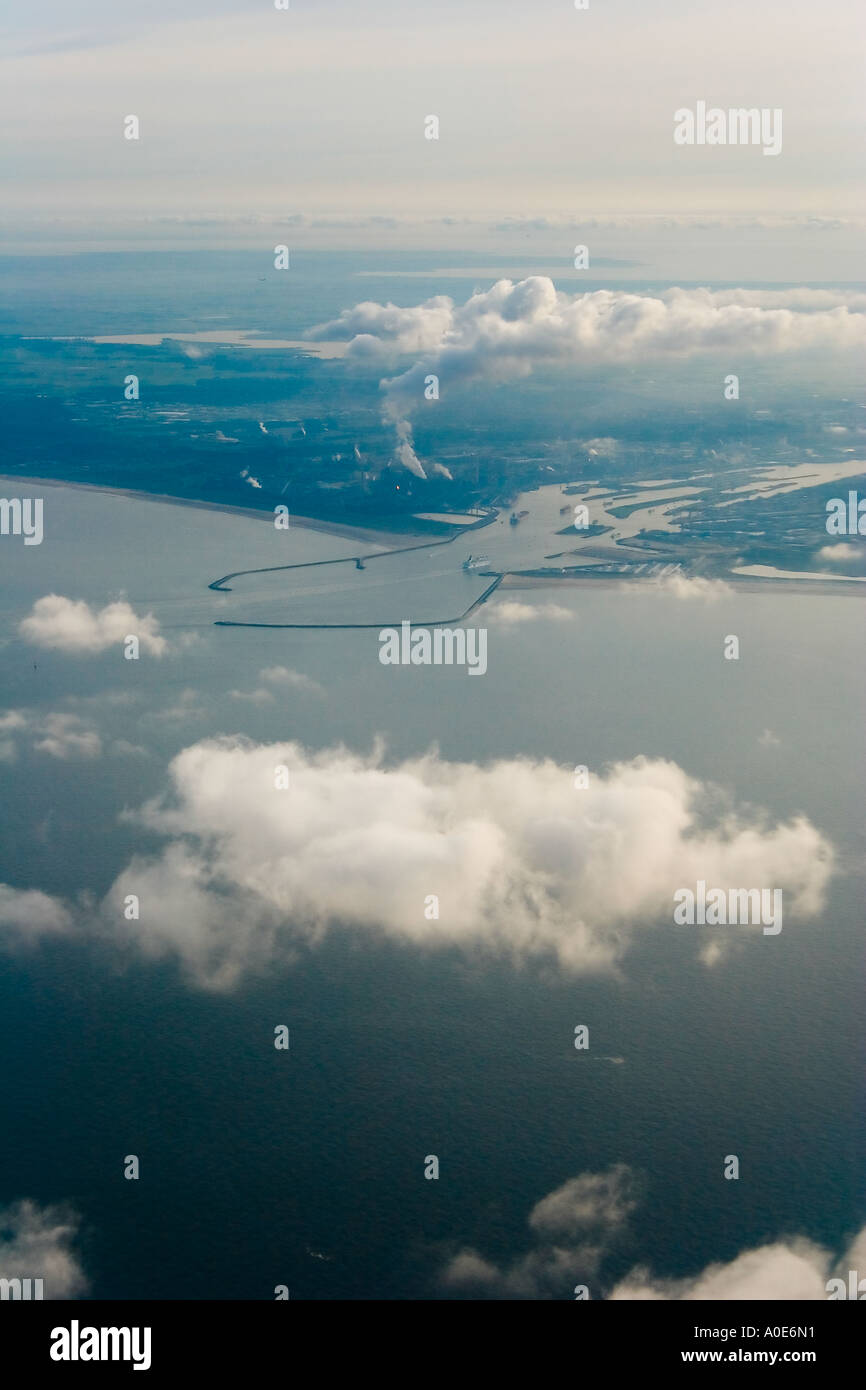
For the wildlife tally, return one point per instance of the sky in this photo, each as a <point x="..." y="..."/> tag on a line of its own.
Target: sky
<point x="248" y="114"/>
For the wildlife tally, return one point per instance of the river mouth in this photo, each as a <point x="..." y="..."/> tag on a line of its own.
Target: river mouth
<point x="634" y="536"/>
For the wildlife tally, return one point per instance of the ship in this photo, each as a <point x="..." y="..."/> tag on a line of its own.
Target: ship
<point x="514" y="519"/>
<point x="476" y="562"/>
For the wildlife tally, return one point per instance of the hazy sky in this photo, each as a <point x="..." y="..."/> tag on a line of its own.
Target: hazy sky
<point x="544" y="110"/>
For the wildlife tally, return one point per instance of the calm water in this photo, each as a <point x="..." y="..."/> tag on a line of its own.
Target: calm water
<point x="251" y="1159"/>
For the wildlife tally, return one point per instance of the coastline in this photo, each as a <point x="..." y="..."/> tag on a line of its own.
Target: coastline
<point x="332" y="528"/>
<point x="508" y="579"/>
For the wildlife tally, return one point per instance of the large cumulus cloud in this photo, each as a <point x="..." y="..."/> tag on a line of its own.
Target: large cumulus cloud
<point x="523" y="863"/>
<point x="510" y="329"/>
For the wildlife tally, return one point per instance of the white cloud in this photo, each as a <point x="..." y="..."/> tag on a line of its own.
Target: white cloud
<point x="798" y="299"/>
<point x="514" y="327"/>
<point x="524" y="864"/>
<point x="372" y="328"/>
<point x="71" y="625"/>
<point x="66" y="736"/>
<point x="254" y="697"/>
<point x="26" y="915"/>
<point x="531" y="317"/>
<point x="37" y="1243"/>
<point x="794" y="1269"/>
<point x="186" y="706"/>
<point x="282" y="678"/>
<point x="715" y="951"/>
<point x="769" y="740"/>
<point x="573" y="1226"/>
<point x="60" y="734"/>
<point x="282" y="675"/>
<point x="684" y="586"/>
<point x="510" y="611"/>
<point x="574" y="1230"/>
<point x="593" y="1201"/>
<point x="841" y="554"/>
